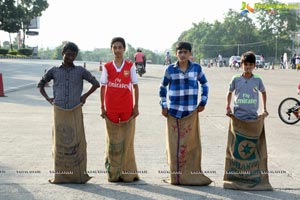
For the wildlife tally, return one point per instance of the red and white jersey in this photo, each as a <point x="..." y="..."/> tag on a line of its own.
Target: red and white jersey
<point x="118" y="81"/>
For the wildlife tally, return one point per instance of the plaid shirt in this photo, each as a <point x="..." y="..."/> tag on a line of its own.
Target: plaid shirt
<point x="67" y="84"/>
<point x="183" y="89"/>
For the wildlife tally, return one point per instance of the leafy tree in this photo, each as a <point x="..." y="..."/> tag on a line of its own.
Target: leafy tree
<point x="227" y="38"/>
<point x="241" y="32"/>
<point x="278" y="25"/>
<point x="31" y="9"/>
<point x="263" y="32"/>
<point x="45" y="53"/>
<point x="197" y="35"/>
<point x="10" y="17"/>
<point x="103" y="54"/>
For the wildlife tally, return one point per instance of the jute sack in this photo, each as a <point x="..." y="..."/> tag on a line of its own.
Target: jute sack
<point x="69" y="146"/>
<point x="120" y="159"/>
<point x="184" y="151"/>
<point x="246" y="156"/>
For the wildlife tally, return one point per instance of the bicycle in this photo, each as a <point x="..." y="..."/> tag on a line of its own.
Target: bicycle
<point x="267" y="66"/>
<point x="289" y="110"/>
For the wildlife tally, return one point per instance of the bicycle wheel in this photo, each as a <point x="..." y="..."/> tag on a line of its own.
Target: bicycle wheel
<point x="267" y="67"/>
<point x="288" y="110"/>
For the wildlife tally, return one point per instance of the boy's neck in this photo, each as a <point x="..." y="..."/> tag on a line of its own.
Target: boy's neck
<point x="247" y="75"/>
<point x="118" y="61"/>
<point x="68" y="64"/>
<point x="183" y="65"/>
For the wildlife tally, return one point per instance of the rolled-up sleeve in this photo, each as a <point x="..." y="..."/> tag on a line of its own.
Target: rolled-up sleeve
<point x="163" y="90"/>
<point x="90" y="78"/>
<point x="46" y="78"/>
<point x="204" y="86"/>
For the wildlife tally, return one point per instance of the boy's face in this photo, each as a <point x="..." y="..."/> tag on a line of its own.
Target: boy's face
<point x="69" y="57"/>
<point x="248" y="67"/>
<point x="183" y="55"/>
<point x="118" y="49"/>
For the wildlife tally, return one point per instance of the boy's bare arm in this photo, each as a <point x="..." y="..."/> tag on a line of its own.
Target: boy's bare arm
<point x="264" y="100"/>
<point x="228" y="101"/>
<point x="135" y="112"/>
<point x="102" y="94"/>
<point x="44" y="93"/>
<point x="164" y="112"/>
<point x="200" y="108"/>
<point x="90" y="91"/>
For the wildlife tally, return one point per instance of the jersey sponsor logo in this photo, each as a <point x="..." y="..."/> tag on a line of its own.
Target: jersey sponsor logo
<point x="117" y="84"/>
<point x="246" y="98"/>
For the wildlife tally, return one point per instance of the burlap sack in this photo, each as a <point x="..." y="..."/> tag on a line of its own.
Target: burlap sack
<point x="246" y="156"/>
<point x="184" y="151"/>
<point x="120" y="159"/>
<point x="69" y="146"/>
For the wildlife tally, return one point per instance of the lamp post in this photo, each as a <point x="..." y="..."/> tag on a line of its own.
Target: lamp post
<point x="275" y="50"/>
<point x="292" y="37"/>
<point x="298" y="37"/>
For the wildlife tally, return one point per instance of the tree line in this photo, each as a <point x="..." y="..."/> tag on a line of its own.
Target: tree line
<point x="103" y="54"/>
<point x="268" y="31"/>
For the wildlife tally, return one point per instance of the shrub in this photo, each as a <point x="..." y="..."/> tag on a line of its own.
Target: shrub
<point x="13" y="53"/>
<point x="3" y="51"/>
<point x="25" y="51"/>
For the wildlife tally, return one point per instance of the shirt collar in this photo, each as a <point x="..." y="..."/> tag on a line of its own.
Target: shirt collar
<point x="176" y="65"/>
<point x="252" y="75"/>
<point x="120" y="67"/>
<point x="62" y="65"/>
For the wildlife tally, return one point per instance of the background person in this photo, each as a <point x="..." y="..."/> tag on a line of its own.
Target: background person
<point x="167" y="58"/>
<point x="140" y="58"/>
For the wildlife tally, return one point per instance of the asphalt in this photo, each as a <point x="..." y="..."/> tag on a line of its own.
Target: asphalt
<point x="25" y="146"/>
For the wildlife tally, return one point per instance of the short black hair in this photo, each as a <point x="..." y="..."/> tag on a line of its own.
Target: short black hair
<point x="70" y="46"/>
<point x="118" y="39"/>
<point x="248" y="57"/>
<point x="184" y="45"/>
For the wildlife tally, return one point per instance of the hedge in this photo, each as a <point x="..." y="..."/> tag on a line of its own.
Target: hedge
<point x="13" y="53"/>
<point x="25" y="51"/>
<point x="3" y="51"/>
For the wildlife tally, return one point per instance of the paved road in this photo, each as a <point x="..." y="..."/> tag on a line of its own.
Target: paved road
<point x="25" y="145"/>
